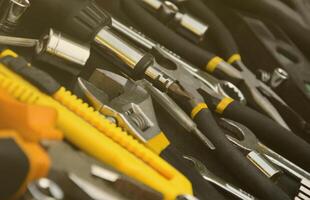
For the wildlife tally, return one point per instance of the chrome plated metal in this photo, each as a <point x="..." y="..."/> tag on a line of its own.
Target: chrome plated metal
<point x="132" y="109"/>
<point x="17" y="41"/>
<point x="258" y="90"/>
<point x="209" y="176"/>
<point x="186" y="23"/>
<point x="53" y="45"/>
<point x="56" y="44"/>
<point x="123" y="50"/>
<point x="44" y="189"/>
<point x="215" y="86"/>
<point x="249" y="142"/>
<point x="11" y="14"/>
<point x="278" y="77"/>
<point x="176" y="112"/>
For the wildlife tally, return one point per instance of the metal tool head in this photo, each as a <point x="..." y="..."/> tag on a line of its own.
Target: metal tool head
<point x="193" y="79"/>
<point x="202" y="169"/>
<point x="129" y="104"/>
<point x="186" y="197"/>
<point x="248" y="140"/>
<point x="45" y="189"/>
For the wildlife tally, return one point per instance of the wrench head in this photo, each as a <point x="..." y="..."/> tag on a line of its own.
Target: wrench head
<point x="248" y="140"/>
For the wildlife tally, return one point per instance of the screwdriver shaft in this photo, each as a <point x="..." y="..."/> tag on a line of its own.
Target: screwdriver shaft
<point x="17" y="41"/>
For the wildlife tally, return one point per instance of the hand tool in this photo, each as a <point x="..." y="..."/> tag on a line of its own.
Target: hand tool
<point x="203" y="58"/>
<point x="278" y="51"/>
<point x="132" y="108"/>
<point x="251" y="144"/>
<point x="131" y="60"/>
<point x="276" y="11"/>
<point x="222" y="87"/>
<point x="184" y="23"/>
<point x="33" y="123"/>
<point x="127" y="59"/>
<point x="304" y="191"/>
<point x="23" y="158"/>
<point x="22" y="162"/>
<point x="11" y="13"/>
<point x="44" y="189"/>
<point x="131" y="95"/>
<point x="92" y="190"/>
<point x="193" y="85"/>
<point x="128" y="154"/>
<point x="273" y="135"/>
<point x="129" y="187"/>
<point x="257" y="90"/>
<point x="209" y="176"/>
<point x="55" y="48"/>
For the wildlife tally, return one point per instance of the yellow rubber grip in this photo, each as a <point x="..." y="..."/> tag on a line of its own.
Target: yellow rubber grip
<point x="158" y="143"/>
<point x="234" y="58"/>
<point x="224" y="103"/>
<point x="213" y="63"/>
<point x="197" y="109"/>
<point x="115" y="133"/>
<point x="110" y="145"/>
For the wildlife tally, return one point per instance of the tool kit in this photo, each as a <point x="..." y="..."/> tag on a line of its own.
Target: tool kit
<point x="154" y="99"/>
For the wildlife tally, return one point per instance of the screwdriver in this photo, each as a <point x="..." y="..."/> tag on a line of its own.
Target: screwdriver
<point x="89" y="23"/>
<point x="91" y="131"/>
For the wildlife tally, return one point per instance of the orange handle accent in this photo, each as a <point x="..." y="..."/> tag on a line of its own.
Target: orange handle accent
<point x="33" y="122"/>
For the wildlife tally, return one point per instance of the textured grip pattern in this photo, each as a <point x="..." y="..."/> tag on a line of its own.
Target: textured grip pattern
<point x="87" y="22"/>
<point x="112" y="131"/>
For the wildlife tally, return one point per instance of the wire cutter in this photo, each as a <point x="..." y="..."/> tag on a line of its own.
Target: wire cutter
<point x="131" y="107"/>
<point x="202" y="58"/>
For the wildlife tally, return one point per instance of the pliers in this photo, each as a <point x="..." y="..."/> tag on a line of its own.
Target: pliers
<point x="269" y="161"/>
<point x="202" y="58"/>
<point x="131" y="107"/>
<point x="250" y="143"/>
<point x="272" y="134"/>
<point x="257" y="91"/>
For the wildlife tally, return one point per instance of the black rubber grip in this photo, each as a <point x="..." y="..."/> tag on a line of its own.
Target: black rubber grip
<point x="14" y="168"/>
<point x="218" y="31"/>
<point x="82" y="19"/>
<point x="289" y="185"/>
<point x="280" y="139"/>
<point x="234" y="161"/>
<point x="280" y="14"/>
<point x="39" y="78"/>
<point x="158" y="31"/>
<point x="202" y="188"/>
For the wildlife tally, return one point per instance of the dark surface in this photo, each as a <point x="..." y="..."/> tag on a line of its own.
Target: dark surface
<point x="14" y="163"/>
<point x="186" y="143"/>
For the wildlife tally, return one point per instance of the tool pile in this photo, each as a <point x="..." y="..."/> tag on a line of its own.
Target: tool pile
<point x="154" y="99"/>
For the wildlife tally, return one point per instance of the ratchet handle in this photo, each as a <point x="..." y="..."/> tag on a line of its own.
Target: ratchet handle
<point x="281" y="139"/>
<point x="202" y="189"/>
<point x="234" y="160"/>
<point x="82" y="19"/>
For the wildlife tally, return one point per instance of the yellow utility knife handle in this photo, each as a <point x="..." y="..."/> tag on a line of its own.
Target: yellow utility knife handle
<point x="137" y="162"/>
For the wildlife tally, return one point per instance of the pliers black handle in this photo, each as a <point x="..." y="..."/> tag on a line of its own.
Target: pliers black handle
<point x="281" y="139"/>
